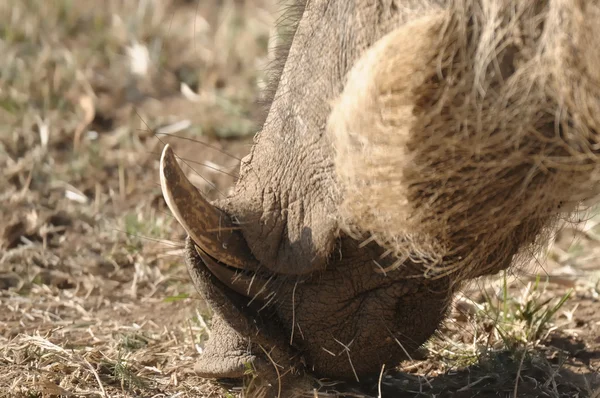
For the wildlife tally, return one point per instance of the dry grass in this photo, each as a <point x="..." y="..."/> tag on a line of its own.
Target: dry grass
<point x="94" y="299"/>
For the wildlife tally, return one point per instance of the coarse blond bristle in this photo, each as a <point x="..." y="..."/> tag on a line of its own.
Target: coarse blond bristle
<point x="462" y="137"/>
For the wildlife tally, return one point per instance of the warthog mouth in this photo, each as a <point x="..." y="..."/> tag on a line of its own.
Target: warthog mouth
<point x="217" y="241"/>
<point x="250" y="284"/>
<point x="305" y="318"/>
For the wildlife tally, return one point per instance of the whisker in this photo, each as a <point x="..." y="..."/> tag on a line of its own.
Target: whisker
<point x="212" y="185"/>
<point x="168" y="252"/>
<point x="167" y="255"/>
<point x="169" y="249"/>
<point x="166" y="213"/>
<point x="352" y="366"/>
<point x="204" y="165"/>
<point x="399" y="343"/>
<point x="161" y="241"/>
<point x="271" y="296"/>
<point x="162" y="142"/>
<point x="261" y="291"/>
<point x="195" y="141"/>
<point x="293" y="312"/>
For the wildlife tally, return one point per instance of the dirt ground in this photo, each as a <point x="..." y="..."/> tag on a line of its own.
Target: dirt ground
<point x="94" y="297"/>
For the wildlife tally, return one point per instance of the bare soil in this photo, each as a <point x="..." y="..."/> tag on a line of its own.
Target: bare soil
<point x="94" y="297"/>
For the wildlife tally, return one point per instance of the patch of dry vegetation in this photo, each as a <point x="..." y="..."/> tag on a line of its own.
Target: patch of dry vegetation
<point x="94" y="297"/>
<point x="94" y="300"/>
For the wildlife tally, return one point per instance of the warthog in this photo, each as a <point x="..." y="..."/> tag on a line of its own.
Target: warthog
<point x="409" y="146"/>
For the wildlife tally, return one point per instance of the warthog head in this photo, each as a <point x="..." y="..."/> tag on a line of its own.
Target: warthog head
<point x="409" y="146"/>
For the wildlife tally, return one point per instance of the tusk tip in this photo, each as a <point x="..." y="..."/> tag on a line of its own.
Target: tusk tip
<point x="167" y="158"/>
<point x="169" y="169"/>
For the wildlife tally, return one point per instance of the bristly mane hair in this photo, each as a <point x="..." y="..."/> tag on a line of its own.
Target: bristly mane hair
<point x="286" y="26"/>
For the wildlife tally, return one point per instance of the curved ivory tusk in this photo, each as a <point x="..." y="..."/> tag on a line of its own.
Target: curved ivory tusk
<point x="210" y="228"/>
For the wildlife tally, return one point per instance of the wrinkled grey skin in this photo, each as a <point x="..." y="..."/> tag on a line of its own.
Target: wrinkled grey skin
<point x="326" y="310"/>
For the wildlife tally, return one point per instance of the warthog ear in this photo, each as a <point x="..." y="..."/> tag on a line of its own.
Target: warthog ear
<point x="210" y="228"/>
<point x="370" y="127"/>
